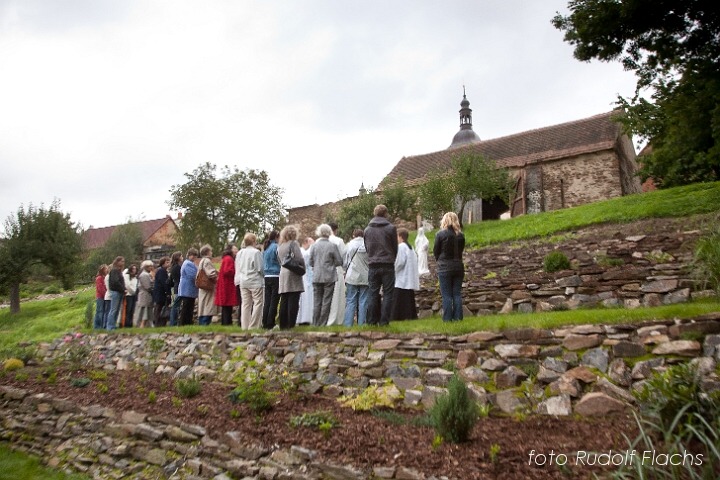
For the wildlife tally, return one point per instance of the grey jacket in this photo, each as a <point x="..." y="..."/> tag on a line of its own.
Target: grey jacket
<point x="356" y="262"/>
<point x="381" y="241"/>
<point x="289" y="281"/>
<point x="324" y="258"/>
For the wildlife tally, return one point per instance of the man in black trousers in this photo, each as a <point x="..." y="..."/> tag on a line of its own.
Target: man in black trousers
<point x="382" y="247"/>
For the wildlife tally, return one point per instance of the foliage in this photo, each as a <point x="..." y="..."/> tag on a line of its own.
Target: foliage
<point x="707" y="259"/>
<point x="357" y="213"/>
<point x="555" y="261"/>
<point x="677" y="390"/>
<point x="435" y="196"/>
<point x="152" y="397"/>
<point x="254" y="394"/>
<point x="80" y="382"/>
<point x="222" y="208"/>
<point x="38" y="236"/>
<point x="371" y="398"/>
<point x="674" y="50"/>
<point x="188" y="387"/>
<point x="454" y="414"/>
<point x="20" y="466"/>
<point x="494" y="453"/>
<point x="77" y="352"/>
<point x="89" y="314"/>
<point x="314" y="420"/>
<point x="399" y="199"/>
<point x="12" y="364"/>
<point x="125" y="241"/>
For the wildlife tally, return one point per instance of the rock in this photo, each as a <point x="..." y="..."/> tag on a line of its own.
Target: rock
<point x="580" y="342"/>
<point x="183" y="372"/>
<point x="508" y="401"/>
<point x="384" y="472"/>
<point x="660" y="286"/>
<point x="597" y="358"/>
<point x="704" y="365"/>
<point x="466" y="358"/>
<point x="580" y="373"/>
<point x="596" y="404"/>
<point x="605" y="386"/>
<point x="413" y="397"/>
<point x="555" y="365"/>
<point x="678" y="347"/>
<point x="679" y="296"/>
<point x="572" y="281"/>
<point x="558" y="406"/>
<point x="179" y="435"/>
<point x="644" y="369"/>
<point x="517" y="351"/>
<point x="438" y="377"/>
<point x="510" y="377"/>
<point x="146" y="431"/>
<point x="652" y="300"/>
<point x="545" y="375"/>
<point x="388" y="344"/>
<point x="474" y="374"/>
<point x="133" y="417"/>
<point x="619" y="372"/>
<point x="403" y="473"/>
<point x="587" y="330"/>
<point x="483" y="337"/>
<point x="430" y="393"/>
<point x="569" y="386"/>
<point x="507" y="307"/>
<point x="710" y="345"/>
<point x="493" y="365"/>
<point x="405" y="383"/>
<point x="628" y="350"/>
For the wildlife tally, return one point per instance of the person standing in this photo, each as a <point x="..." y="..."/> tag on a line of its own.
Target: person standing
<point x="225" y="294"/>
<point x="174" y="282"/>
<point x="116" y="287"/>
<point x="382" y="247"/>
<point x="161" y="292"/>
<point x="324" y="259"/>
<point x="448" y="251"/>
<point x="271" y="267"/>
<point x="187" y="290"/>
<point x="206" y="297"/>
<point x="127" y="313"/>
<point x="356" y="278"/>
<point x="337" y="306"/>
<point x="305" y="315"/>
<point x="407" y="280"/>
<point x="145" y="297"/>
<point x="100" y="291"/>
<point x="291" y="283"/>
<point x="249" y="277"/>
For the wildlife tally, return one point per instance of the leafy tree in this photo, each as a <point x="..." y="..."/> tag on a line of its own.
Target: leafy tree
<point x="399" y="199"/>
<point x="221" y="209"/>
<point x="673" y="46"/>
<point x="126" y="241"/>
<point x="471" y="177"/>
<point x="357" y="212"/>
<point x="38" y="235"/>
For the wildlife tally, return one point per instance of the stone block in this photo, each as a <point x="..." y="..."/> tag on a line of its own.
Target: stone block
<point x="628" y="350"/>
<point x="597" y="404"/>
<point x="580" y="342"/>
<point x="509" y="402"/>
<point x="560" y="405"/>
<point x="597" y="358"/>
<point x="510" y="377"/>
<point x="466" y="358"/>
<point x="517" y="351"/>
<point x="678" y="347"/>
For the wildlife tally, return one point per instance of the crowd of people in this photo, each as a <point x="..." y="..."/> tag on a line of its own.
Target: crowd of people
<point x="288" y="281"/>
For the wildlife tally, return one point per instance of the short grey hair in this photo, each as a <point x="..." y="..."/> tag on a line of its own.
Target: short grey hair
<point x="323" y="230"/>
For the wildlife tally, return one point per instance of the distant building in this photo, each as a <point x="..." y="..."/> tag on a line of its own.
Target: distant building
<point x="159" y="236"/>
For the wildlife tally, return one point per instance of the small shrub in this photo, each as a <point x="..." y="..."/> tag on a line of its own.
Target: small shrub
<point x="52" y="290"/>
<point x="21" y="376"/>
<point x="203" y="409"/>
<point x="605" y="261"/>
<point x="234" y="413"/>
<point x="454" y="414"/>
<point x="177" y="403"/>
<point x="323" y="421"/>
<point x="89" y="314"/>
<point x="555" y="261"/>
<point x="97" y="375"/>
<point x="12" y="364"/>
<point x="152" y="397"/>
<point x="254" y="394"/>
<point x="102" y="388"/>
<point x="494" y="453"/>
<point x="155" y="345"/>
<point x="188" y="387"/>
<point x="437" y="442"/>
<point x="80" y="382"/>
<point x="371" y="398"/>
<point x="706" y="265"/>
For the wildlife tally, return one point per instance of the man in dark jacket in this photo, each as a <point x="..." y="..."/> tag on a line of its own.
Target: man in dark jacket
<point x="382" y="246"/>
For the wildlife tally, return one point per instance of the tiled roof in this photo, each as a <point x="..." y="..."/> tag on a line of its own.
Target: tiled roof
<point x="96" y="237"/>
<point x="592" y="134"/>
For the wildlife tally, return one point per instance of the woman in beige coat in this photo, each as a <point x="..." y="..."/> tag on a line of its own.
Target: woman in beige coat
<point x="206" y="298"/>
<point x="291" y="284"/>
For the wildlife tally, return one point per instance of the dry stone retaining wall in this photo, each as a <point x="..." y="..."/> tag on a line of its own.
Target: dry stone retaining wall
<point x="587" y="370"/>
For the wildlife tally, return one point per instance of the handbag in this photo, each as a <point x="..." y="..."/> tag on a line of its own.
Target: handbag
<point x="292" y="264"/>
<point x="202" y="280"/>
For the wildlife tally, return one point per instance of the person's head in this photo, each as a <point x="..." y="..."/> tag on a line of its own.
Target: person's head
<point x="206" y="251"/>
<point x="163" y="262"/>
<point x="288" y="234"/>
<point x="176" y="258"/>
<point x="269" y="238"/>
<point x="402" y="234"/>
<point x="147" y="265"/>
<point x="102" y="270"/>
<point x="192" y="254"/>
<point x="358" y="232"/>
<point x="307" y="242"/>
<point x="380" y="211"/>
<point x="323" y="230"/>
<point x="333" y="227"/>
<point x="249" y="240"/>
<point x="450" y="220"/>
<point x="119" y="263"/>
<point x="132" y="270"/>
<point x="229" y="249"/>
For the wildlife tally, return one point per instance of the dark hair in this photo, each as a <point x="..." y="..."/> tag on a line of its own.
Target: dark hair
<point x="117" y="261"/>
<point x="130" y="267"/>
<point x="192" y="252"/>
<point x="175" y="259"/>
<point x="163" y="261"/>
<point x="380" y="211"/>
<point x="101" y="269"/>
<point x="333" y="226"/>
<point x="358" y="232"/>
<point x="403" y="233"/>
<point x="272" y="236"/>
<point x="228" y="249"/>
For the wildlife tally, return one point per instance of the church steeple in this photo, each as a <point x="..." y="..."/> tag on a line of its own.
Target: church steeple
<point x="466" y="134"/>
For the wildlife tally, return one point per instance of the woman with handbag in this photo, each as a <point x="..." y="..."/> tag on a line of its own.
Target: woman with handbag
<point x="206" y="279"/>
<point x="291" y="273"/>
<point x="225" y="295"/>
<point x="161" y="293"/>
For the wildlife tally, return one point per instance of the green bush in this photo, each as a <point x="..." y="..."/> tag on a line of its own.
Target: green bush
<point x="253" y="393"/>
<point x="314" y="420"/>
<point x="89" y="314"/>
<point x="188" y="387"/>
<point x="369" y="399"/>
<point x="454" y="414"/>
<point x="52" y="290"/>
<point x="707" y="259"/>
<point x="555" y="261"/>
<point x="12" y="364"/>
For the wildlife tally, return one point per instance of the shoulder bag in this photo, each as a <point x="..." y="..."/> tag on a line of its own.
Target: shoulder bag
<point x="202" y="280"/>
<point x="292" y="264"/>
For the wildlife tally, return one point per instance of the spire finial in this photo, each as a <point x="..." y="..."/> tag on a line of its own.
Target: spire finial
<point x="463" y="91"/>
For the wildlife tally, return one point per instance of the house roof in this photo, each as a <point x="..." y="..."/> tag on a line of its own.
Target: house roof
<point x="97" y="237"/>
<point x="592" y="134"/>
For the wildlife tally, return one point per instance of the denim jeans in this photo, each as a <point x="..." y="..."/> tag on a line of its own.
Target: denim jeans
<point x="116" y="299"/>
<point x="99" y="321"/>
<point x="205" y="320"/>
<point x="451" y="291"/>
<point x="356" y="299"/>
<point x="380" y="275"/>
<point x="175" y="310"/>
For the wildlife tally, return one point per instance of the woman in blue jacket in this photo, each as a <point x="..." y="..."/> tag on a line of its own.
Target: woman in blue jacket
<point x="271" y="265"/>
<point x="187" y="290"/>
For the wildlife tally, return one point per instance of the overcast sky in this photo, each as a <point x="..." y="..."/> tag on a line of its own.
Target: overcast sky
<point x="104" y="105"/>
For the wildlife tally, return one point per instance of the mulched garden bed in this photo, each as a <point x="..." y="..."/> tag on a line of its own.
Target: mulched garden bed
<point x="362" y="439"/>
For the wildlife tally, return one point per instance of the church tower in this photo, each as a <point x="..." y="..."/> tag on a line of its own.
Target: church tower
<point x="466" y="134"/>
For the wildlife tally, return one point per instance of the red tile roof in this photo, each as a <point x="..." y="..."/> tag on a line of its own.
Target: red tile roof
<point x="97" y="237"/>
<point x="592" y="134"/>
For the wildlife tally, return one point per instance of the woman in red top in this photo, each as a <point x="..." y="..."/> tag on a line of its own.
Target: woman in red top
<point x="225" y="295"/>
<point x="100" y="291"/>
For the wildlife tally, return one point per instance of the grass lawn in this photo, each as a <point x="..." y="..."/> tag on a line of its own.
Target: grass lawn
<point x="19" y="466"/>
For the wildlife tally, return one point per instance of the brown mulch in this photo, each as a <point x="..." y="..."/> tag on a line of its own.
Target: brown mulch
<point x="362" y="439"/>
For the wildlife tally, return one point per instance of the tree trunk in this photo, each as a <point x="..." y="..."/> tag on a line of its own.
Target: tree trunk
<point x="15" y="298"/>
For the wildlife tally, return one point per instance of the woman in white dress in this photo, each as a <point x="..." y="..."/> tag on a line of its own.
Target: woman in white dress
<point x="306" y="298"/>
